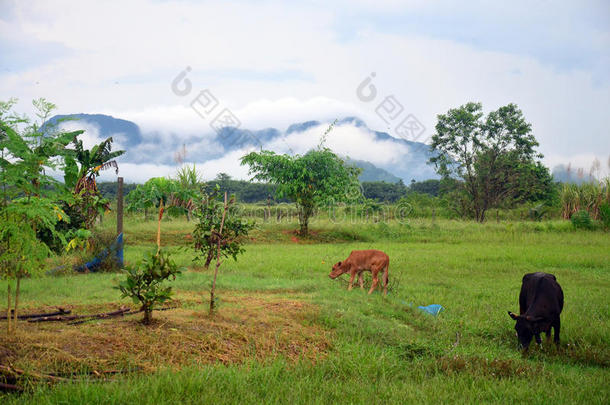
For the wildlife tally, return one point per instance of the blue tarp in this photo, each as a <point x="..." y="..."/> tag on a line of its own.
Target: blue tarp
<point x="115" y="249"/>
<point x="433" y="309"/>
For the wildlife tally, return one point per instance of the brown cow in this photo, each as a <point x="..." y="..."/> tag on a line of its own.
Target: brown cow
<point x="364" y="260"/>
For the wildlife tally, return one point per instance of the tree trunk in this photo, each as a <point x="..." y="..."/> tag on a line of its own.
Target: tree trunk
<point x="147" y="316"/>
<point x="16" y="302"/>
<point x="208" y="259"/>
<point x="159" y="226"/>
<point x="8" y="310"/>
<point x="304" y="226"/>
<point x="304" y="214"/>
<point x="218" y="262"/>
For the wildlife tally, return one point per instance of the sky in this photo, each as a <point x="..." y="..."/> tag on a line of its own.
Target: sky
<point x="273" y="63"/>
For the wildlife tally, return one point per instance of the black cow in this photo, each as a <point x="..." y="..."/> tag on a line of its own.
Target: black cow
<point x="540" y="303"/>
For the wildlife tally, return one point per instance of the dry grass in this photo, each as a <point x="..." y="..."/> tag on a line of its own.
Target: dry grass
<point x="258" y="327"/>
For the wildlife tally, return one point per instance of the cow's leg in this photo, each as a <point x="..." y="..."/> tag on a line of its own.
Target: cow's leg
<point x="385" y="279"/>
<point x="375" y="273"/>
<point x="351" y="280"/>
<point x="556" y="325"/>
<point x="538" y="339"/>
<point x="548" y="335"/>
<point x="361" y="280"/>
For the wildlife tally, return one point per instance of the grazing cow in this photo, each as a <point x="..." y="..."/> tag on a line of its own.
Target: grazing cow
<point x="364" y="260"/>
<point x="540" y="303"/>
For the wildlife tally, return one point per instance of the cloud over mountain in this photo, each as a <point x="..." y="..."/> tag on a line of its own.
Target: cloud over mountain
<point x="153" y="152"/>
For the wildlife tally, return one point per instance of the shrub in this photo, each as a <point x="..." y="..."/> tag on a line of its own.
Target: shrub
<point x="144" y="281"/>
<point x="581" y="220"/>
<point x="604" y="214"/>
<point x="209" y="213"/>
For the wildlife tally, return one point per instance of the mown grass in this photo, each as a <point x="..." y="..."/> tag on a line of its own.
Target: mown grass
<point x="382" y="350"/>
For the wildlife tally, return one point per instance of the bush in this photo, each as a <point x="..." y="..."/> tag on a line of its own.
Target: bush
<point x="581" y="220"/>
<point x="604" y="214"/>
<point x="143" y="282"/>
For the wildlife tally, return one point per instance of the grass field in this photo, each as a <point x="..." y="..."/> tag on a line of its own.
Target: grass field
<point x="285" y="333"/>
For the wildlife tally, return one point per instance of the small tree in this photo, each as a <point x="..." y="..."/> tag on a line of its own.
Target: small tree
<point x="144" y="282"/>
<point x="28" y="193"/>
<point x="315" y="179"/>
<point x="209" y="213"/>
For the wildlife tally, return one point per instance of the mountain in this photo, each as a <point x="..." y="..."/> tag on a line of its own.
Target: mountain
<point x="381" y="156"/>
<point x="370" y="172"/>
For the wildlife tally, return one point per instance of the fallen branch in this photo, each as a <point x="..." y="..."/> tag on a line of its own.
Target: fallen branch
<point x="10" y="387"/>
<point x="60" y="311"/>
<point x="117" y="313"/>
<point x="121" y="311"/>
<point x="18" y="372"/>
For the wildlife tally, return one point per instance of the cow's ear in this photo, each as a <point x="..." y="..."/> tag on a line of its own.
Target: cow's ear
<point x="512" y="315"/>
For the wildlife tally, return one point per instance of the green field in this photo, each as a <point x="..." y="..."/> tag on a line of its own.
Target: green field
<point x="285" y="333"/>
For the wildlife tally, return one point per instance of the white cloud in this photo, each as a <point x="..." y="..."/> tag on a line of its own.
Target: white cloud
<point x="274" y="64"/>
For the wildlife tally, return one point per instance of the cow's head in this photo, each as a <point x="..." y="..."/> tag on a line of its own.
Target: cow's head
<point x="526" y="328"/>
<point x="337" y="270"/>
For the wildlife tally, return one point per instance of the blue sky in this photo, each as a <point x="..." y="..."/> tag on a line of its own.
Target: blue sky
<point x="274" y="63"/>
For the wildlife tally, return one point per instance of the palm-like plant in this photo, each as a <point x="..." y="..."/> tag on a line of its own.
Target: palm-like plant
<point x="82" y="166"/>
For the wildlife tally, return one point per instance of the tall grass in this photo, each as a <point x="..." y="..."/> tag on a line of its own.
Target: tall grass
<point x="586" y="197"/>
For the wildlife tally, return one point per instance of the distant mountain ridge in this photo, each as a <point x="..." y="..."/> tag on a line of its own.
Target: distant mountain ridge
<point x="157" y="148"/>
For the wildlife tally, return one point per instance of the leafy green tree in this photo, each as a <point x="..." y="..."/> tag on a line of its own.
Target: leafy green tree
<point x="209" y="212"/>
<point x="431" y="187"/>
<point x="314" y="179"/>
<point x="27" y="152"/>
<point x="493" y="156"/>
<point x="382" y="191"/>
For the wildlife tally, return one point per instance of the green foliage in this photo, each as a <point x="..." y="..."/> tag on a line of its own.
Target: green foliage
<point x="431" y="187"/>
<point x="209" y="212"/>
<point x="494" y="156"/>
<point x="382" y="191"/>
<point x="81" y="167"/>
<point x="581" y="220"/>
<point x="27" y="152"/>
<point x="318" y="178"/>
<point x="144" y="281"/>
<point x="80" y="240"/>
<point x="604" y="214"/>
<point x="175" y="196"/>
<point x="537" y="212"/>
<point x="584" y="196"/>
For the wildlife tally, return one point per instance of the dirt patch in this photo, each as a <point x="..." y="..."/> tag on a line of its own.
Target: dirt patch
<point x="259" y="327"/>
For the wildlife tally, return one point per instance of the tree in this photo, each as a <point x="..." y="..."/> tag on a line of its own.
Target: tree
<point x="494" y="157"/>
<point x="317" y="178"/>
<point x="143" y="283"/>
<point x="81" y="167"/>
<point x="210" y="211"/>
<point x="27" y="151"/>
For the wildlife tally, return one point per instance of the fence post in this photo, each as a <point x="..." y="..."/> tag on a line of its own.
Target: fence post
<point x="119" y="207"/>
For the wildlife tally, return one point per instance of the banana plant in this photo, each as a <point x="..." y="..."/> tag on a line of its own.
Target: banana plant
<point x="81" y="168"/>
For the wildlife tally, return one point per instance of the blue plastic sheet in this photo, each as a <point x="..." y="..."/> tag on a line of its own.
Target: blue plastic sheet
<point x="115" y="249"/>
<point x="432" y="309"/>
